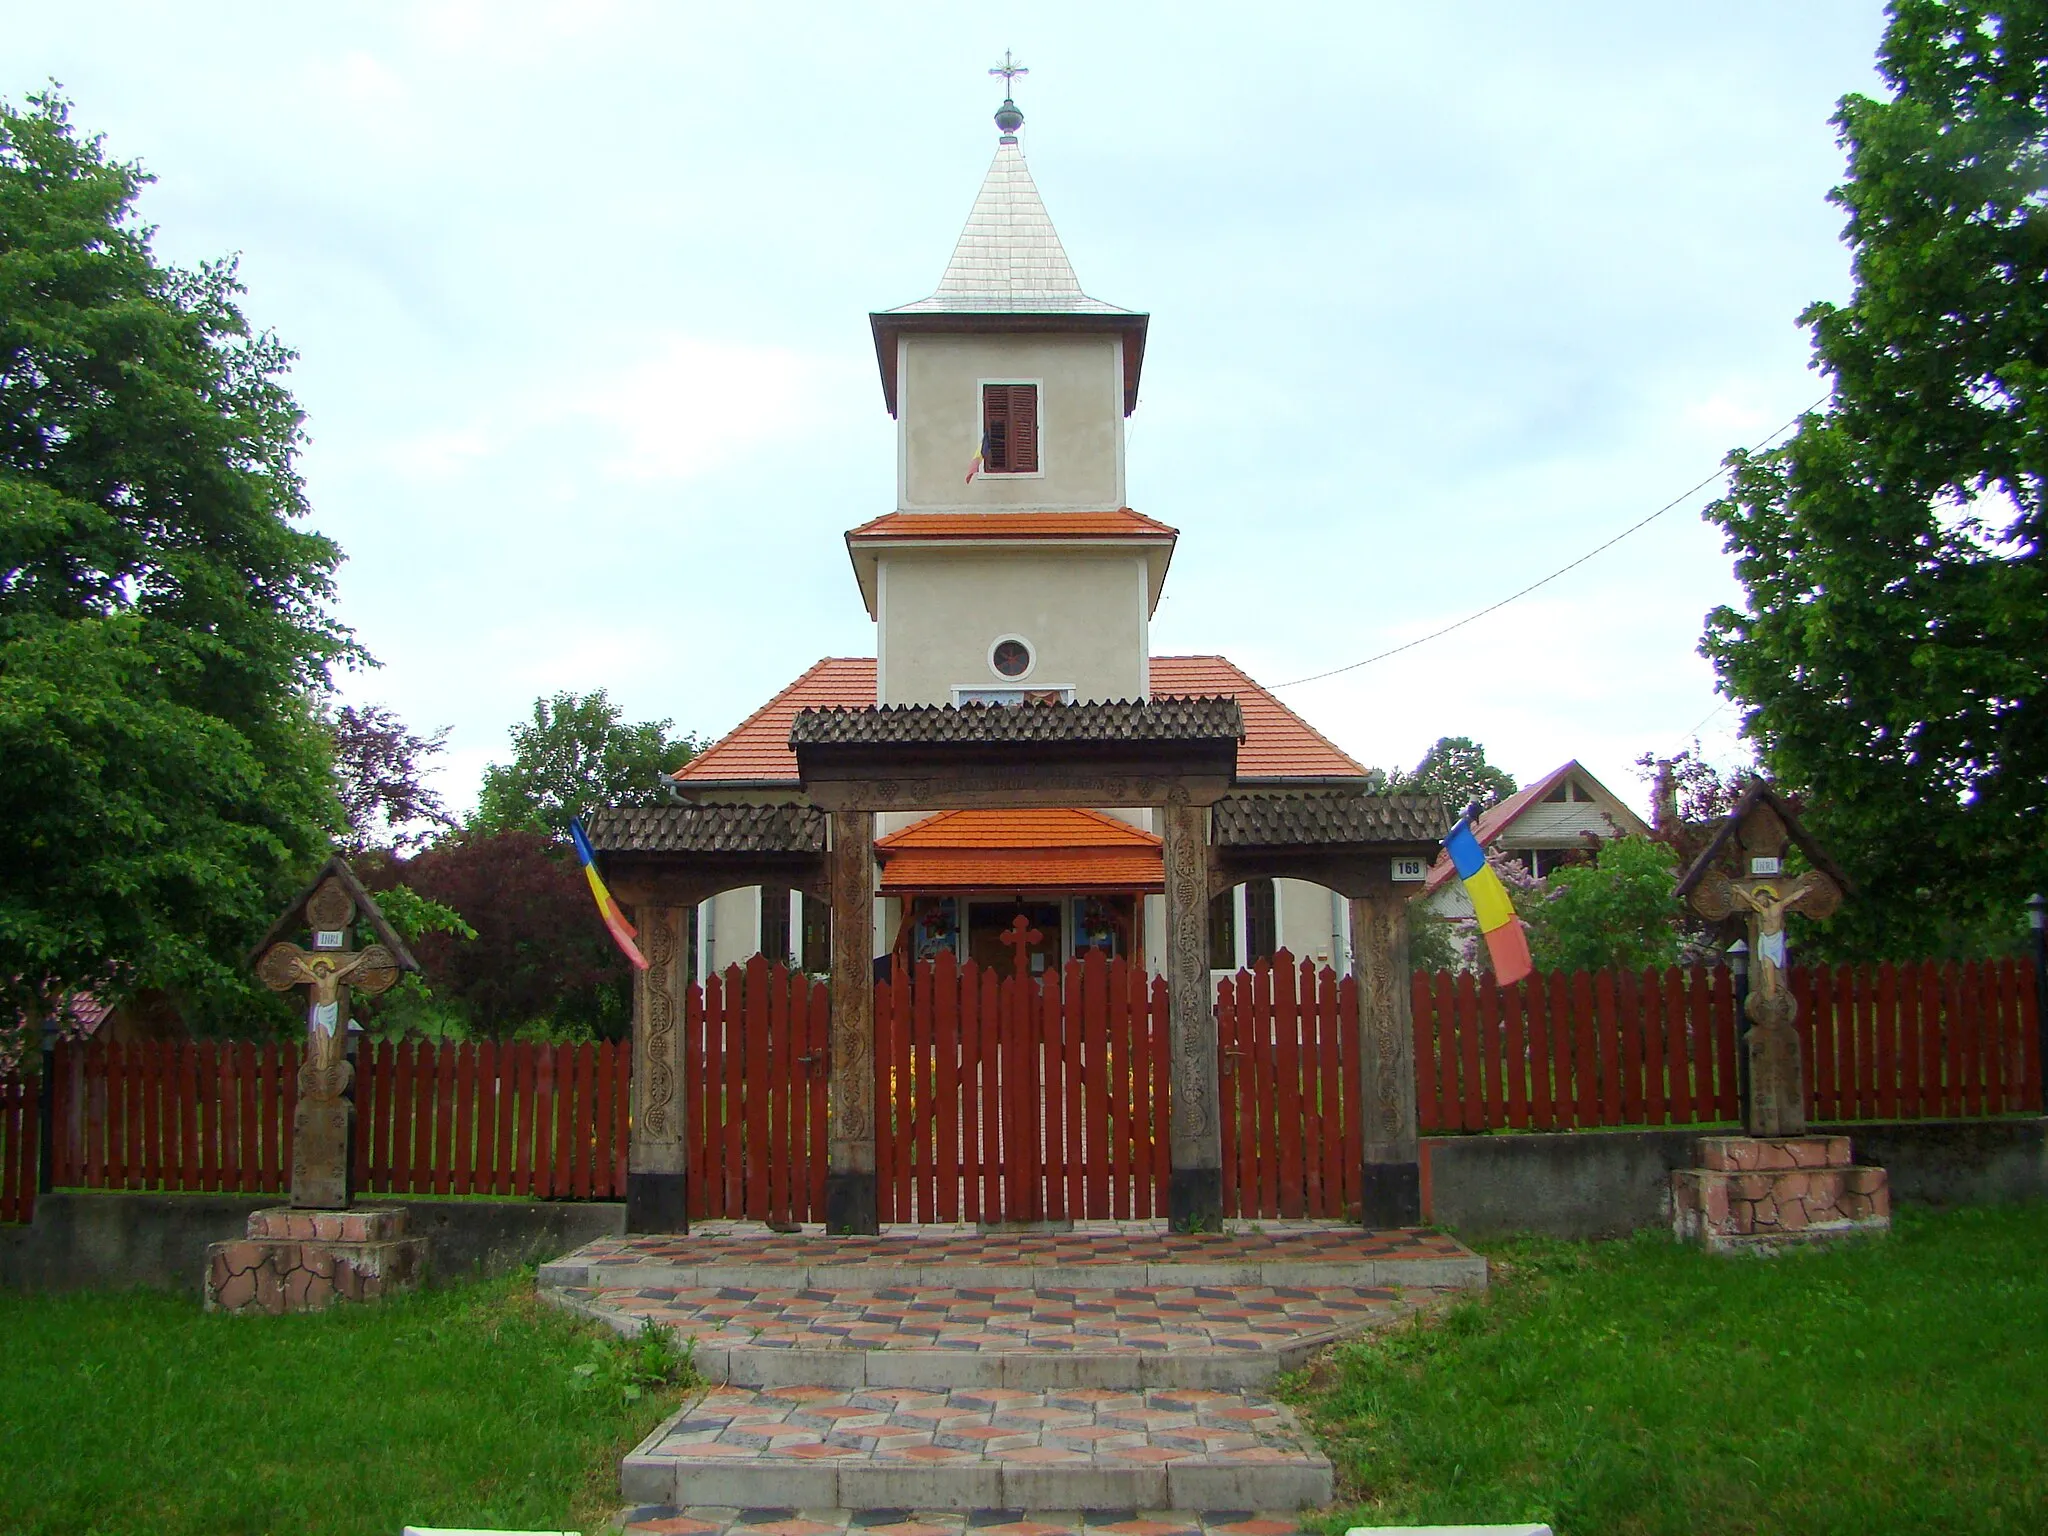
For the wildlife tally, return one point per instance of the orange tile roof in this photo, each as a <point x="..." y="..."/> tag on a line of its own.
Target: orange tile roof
<point x="1121" y="524"/>
<point x="757" y="749"/>
<point x="1027" y="848"/>
<point x="1278" y="743"/>
<point x="1018" y="827"/>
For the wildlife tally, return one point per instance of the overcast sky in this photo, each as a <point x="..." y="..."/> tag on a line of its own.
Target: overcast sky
<point x="1443" y="296"/>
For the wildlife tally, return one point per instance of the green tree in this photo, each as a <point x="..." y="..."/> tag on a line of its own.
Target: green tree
<point x="1615" y="913"/>
<point x="164" y="627"/>
<point x="1892" y="653"/>
<point x="1456" y="771"/>
<point x="577" y="752"/>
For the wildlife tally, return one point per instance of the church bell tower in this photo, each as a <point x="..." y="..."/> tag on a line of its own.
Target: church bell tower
<point x="1011" y="567"/>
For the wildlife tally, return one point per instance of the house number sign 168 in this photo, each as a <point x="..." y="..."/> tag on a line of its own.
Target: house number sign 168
<point x="1410" y="869"/>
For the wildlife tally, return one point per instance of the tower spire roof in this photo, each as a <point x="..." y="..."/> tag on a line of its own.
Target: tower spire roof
<point x="1009" y="259"/>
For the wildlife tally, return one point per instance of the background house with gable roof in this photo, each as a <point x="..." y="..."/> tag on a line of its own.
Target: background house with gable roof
<point x="1561" y="816"/>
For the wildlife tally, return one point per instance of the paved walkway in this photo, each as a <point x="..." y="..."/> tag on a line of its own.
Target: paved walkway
<point x="666" y="1520"/>
<point x="865" y="1383"/>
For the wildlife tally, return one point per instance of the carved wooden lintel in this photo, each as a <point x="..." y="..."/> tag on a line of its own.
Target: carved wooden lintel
<point x="1001" y="788"/>
<point x="1351" y="870"/>
<point x="685" y="879"/>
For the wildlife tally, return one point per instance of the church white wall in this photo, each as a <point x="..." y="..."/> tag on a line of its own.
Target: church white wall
<point x="1082" y="614"/>
<point x="1305" y="921"/>
<point x="736" y="926"/>
<point x="1080" y="410"/>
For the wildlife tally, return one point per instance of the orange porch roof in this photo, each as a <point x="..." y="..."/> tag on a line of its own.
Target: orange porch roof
<point x="1028" y="848"/>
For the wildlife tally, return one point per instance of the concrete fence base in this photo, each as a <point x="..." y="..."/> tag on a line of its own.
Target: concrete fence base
<point x="1608" y="1183"/>
<point x="114" y="1239"/>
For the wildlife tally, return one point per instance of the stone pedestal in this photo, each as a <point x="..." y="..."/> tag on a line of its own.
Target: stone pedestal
<point x="1766" y="1192"/>
<point x="303" y="1261"/>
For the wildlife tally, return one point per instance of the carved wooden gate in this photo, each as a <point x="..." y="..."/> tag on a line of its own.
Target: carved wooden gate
<point x="754" y="1077"/>
<point x="1020" y="1098"/>
<point x="1289" y="1079"/>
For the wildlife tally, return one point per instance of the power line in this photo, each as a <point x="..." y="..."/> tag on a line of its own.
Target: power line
<point x="1685" y="495"/>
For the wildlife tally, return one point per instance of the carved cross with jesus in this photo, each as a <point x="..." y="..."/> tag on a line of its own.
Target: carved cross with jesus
<point x="1764" y="895"/>
<point x="329" y="971"/>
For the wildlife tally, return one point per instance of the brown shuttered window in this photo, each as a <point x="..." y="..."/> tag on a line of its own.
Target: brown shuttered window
<point x="1009" y="429"/>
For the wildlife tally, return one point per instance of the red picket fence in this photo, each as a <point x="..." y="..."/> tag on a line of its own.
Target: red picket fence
<point x="1919" y="1041"/>
<point x="518" y="1119"/>
<point x="174" y="1115"/>
<point x="754" y="1077"/>
<point x="1289" y="1075"/>
<point x="1559" y="1052"/>
<point x="1034" y="1098"/>
<point x="19" y="1133"/>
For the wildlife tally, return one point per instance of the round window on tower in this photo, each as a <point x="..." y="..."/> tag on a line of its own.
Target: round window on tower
<point x="1011" y="657"/>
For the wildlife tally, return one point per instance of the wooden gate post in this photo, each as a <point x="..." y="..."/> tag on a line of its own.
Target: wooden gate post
<point x="850" y="1180"/>
<point x="657" y="1155"/>
<point x="1392" y="1186"/>
<point x="1195" y="1194"/>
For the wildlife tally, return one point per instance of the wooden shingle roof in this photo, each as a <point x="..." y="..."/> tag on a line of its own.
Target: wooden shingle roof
<point x="1121" y="720"/>
<point x="1278" y="745"/>
<point x="707" y="827"/>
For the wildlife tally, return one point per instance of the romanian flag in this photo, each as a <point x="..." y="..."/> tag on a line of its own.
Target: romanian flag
<point x="1506" y="944"/>
<point x="980" y="461"/>
<point x="623" y="932"/>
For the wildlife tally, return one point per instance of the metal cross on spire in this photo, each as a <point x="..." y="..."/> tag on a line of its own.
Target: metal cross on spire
<point x="1009" y="71"/>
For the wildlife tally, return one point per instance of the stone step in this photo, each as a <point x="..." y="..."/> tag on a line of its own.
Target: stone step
<point x="724" y="1520"/>
<point x="1222" y="1337"/>
<point x="1329" y="1256"/>
<point x="979" y="1448"/>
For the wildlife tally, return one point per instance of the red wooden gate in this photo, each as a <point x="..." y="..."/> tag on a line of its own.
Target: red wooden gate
<point x="754" y="1076"/>
<point x="1020" y="1098"/>
<point x="1288" y="1078"/>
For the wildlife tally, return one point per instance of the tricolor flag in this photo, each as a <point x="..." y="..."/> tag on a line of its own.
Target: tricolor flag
<point x="1506" y="944"/>
<point x="623" y="932"/>
<point x="980" y="461"/>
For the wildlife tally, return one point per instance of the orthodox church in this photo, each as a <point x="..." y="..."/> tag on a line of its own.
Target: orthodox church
<point x="1011" y="571"/>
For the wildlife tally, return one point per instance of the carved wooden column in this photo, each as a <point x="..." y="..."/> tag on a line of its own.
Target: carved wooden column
<point x="656" y="1158"/>
<point x="1195" y="1197"/>
<point x="1379" y="959"/>
<point x="850" y="1180"/>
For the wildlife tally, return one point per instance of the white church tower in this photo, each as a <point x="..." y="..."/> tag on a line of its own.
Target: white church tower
<point x="1011" y="567"/>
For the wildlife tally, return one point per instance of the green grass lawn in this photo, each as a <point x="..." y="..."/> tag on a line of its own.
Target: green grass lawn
<point x="1639" y="1387"/>
<point x="472" y="1406"/>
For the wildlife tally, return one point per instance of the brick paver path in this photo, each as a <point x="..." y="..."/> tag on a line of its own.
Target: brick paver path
<point x="955" y="1383"/>
<point x="668" y="1520"/>
<point x="1130" y="1319"/>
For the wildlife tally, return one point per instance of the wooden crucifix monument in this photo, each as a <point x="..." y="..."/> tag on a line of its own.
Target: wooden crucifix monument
<point x="329" y="909"/>
<point x="1755" y="837"/>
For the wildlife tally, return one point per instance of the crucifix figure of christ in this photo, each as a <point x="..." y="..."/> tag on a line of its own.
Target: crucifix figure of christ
<point x="328" y="972"/>
<point x="1777" y="1097"/>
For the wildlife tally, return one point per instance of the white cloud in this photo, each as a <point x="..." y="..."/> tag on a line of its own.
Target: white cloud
<point x="695" y="405"/>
